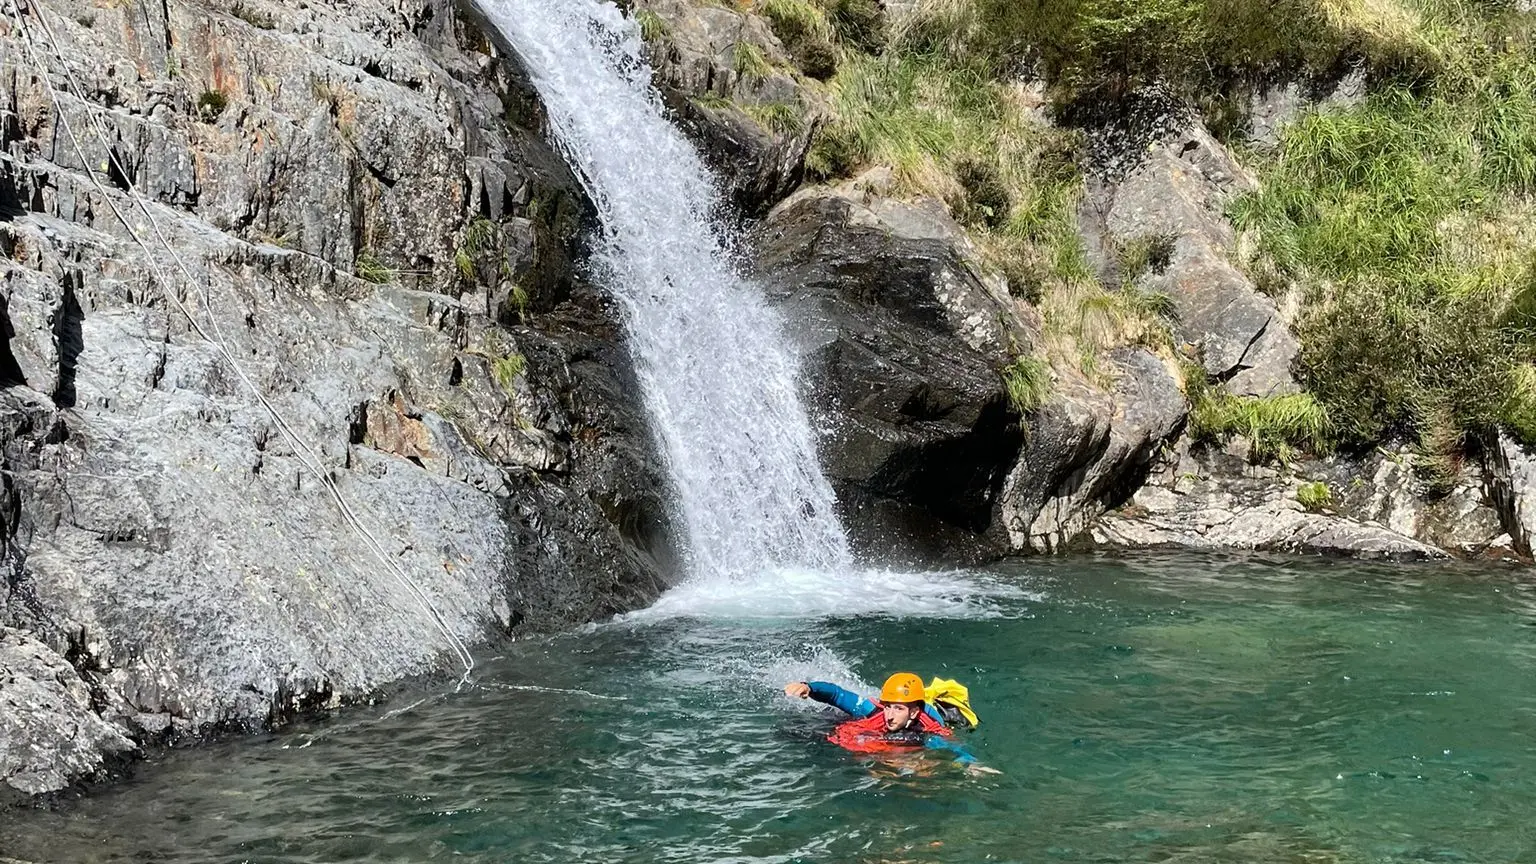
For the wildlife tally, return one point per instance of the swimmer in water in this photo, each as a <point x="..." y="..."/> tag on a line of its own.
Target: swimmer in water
<point x="903" y="720"/>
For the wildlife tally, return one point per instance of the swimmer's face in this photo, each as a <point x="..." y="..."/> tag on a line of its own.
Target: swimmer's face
<point x="899" y="714"/>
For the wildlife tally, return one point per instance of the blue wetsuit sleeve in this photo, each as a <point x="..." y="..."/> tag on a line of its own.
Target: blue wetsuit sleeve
<point x="844" y="700"/>
<point x="939" y="742"/>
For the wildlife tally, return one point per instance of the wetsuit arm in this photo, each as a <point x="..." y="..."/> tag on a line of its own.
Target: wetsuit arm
<point x="843" y="700"/>
<point x="939" y="742"/>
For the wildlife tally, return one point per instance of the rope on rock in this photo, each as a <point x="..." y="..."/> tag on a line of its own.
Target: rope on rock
<point x="303" y="451"/>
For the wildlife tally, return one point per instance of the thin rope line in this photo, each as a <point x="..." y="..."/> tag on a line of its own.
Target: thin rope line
<point x="302" y="450"/>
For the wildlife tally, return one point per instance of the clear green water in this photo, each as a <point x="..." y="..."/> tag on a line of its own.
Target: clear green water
<point x="1149" y="709"/>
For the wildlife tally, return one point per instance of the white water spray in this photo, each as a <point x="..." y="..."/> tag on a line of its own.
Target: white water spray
<point x="719" y="378"/>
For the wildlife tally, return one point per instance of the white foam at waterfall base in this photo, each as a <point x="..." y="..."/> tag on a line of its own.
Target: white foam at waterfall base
<point x="718" y="375"/>
<point x="803" y="593"/>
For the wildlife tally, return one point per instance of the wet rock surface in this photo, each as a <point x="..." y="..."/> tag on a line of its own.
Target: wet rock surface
<point x="378" y="303"/>
<point x="903" y="338"/>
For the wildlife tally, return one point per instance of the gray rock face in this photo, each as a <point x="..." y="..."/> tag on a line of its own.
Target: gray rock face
<point x="1179" y="192"/>
<point x="903" y="341"/>
<point x="1086" y="449"/>
<point x="48" y="733"/>
<point x="1216" y="500"/>
<point x="1512" y="485"/>
<point x="177" y="537"/>
<point x="1463" y="521"/>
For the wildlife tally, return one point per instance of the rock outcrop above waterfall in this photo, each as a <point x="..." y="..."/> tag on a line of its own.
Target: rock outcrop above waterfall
<point x="731" y="85"/>
<point x="371" y="251"/>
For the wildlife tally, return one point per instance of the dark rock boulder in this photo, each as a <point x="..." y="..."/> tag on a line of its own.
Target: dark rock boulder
<point x="903" y="339"/>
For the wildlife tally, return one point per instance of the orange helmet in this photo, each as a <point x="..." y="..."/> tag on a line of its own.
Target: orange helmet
<point x="902" y="687"/>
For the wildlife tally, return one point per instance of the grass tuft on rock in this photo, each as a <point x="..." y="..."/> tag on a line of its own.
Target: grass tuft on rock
<point x="1276" y="427"/>
<point x="653" y="28"/>
<point x="750" y="62"/>
<point x="369" y="269"/>
<point x="1314" y="497"/>
<point x="1028" y="383"/>
<point x="506" y="369"/>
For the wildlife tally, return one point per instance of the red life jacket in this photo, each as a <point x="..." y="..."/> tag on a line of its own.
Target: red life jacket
<point x="869" y="735"/>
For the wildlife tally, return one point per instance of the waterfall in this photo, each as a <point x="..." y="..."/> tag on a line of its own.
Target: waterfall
<point x="718" y="375"/>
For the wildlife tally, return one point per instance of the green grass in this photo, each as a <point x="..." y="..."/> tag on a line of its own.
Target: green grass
<point x="1519" y="409"/>
<point x="806" y="32"/>
<point x="652" y="27"/>
<point x="369" y="269"/>
<point x="934" y="110"/>
<point x="1028" y="383"/>
<point x="1142" y="255"/>
<point x="1276" y="426"/>
<point x="782" y="118"/>
<point x="795" y="19"/>
<point x="1405" y="224"/>
<point x="506" y="369"/>
<point x="482" y="235"/>
<point x="750" y="62"/>
<point x="1314" y="497"/>
<point x="1091" y="50"/>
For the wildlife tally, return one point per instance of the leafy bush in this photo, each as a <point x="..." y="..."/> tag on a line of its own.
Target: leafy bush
<point x="1406" y="224"/>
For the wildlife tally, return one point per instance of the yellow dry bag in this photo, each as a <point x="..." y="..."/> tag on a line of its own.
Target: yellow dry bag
<point x="944" y="692"/>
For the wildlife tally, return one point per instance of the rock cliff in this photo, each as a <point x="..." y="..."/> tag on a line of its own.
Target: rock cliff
<point x="304" y="254"/>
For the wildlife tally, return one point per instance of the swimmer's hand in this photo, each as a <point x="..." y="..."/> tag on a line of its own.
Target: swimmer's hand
<point x="978" y="768"/>
<point x="798" y="689"/>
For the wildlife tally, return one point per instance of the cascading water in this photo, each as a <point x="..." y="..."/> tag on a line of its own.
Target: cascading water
<point x="719" y="378"/>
